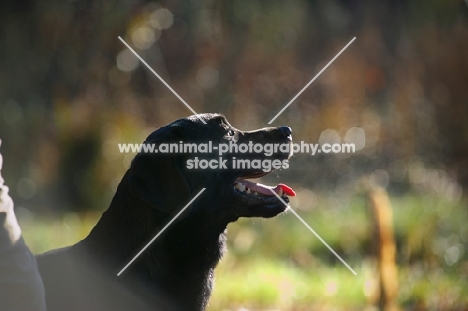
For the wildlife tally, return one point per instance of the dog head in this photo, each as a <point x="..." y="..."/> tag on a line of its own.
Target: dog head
<point x="187" y="155"/>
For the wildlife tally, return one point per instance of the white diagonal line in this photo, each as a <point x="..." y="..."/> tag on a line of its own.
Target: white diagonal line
<point x="315" y="233"/>
<point x="160" y="232"/>
<point x="162" y="80"/>
<point x="316" y="76"/>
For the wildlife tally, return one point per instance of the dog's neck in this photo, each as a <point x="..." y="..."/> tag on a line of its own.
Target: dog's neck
<point x="196" y="250"/>
<point x="131" y="219"/>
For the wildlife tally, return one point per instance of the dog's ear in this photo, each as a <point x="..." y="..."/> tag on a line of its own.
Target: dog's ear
<point x="158" y="177"/>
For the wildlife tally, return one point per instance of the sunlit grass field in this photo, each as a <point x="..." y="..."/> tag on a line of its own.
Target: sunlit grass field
<point x="277" y="264"/>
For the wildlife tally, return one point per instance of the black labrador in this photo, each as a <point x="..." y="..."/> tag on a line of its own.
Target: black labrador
<point x="176" y="271"/>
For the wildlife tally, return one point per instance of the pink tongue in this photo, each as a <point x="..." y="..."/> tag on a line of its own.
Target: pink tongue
<point x="266" y="190"/>
<point x="286" y="189"/>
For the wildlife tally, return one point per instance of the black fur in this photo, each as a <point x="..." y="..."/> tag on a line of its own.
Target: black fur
<point x="176" y="271"/>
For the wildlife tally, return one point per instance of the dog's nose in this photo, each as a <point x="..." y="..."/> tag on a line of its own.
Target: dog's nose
<point x="286" y="130"/>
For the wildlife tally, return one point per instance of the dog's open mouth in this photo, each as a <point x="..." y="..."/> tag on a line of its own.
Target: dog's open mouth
<point x="259" y="191"/>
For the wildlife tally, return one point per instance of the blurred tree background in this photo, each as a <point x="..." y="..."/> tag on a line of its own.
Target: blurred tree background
<point x="70" y="91"/>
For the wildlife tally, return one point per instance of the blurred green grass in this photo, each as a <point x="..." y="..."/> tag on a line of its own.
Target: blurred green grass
<point x="277" y="264"/>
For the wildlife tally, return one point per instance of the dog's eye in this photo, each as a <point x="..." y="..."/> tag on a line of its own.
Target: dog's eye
<point x="230" y="134"/>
